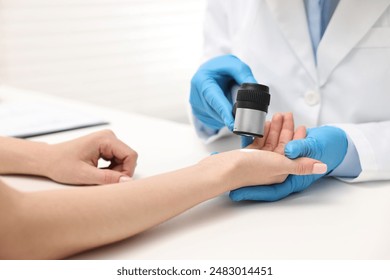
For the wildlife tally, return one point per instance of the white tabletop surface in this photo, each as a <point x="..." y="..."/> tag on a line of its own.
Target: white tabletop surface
<point x="330" y="220"/>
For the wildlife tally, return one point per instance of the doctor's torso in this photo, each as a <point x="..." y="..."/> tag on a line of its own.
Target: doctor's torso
<point x="350" y="82"/>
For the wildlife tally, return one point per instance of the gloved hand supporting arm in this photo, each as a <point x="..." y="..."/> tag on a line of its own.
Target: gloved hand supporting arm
<point x="327" y="144"/>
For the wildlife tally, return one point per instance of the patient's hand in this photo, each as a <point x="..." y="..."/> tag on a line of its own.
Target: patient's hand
<point x="76" y="161"/>
<point x="278" y="133"/>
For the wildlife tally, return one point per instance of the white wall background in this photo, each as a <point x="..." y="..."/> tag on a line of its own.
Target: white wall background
<point x="134" y="55"/>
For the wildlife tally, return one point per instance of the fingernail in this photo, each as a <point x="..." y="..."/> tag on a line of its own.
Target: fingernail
<point x="319" y="168"/>
<point x="123" y="179"/>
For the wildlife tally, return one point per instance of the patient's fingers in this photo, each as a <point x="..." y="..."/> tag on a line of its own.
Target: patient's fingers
<point x="278" y="133"/>
<point x="303" y="166"/>
<point x="258" y="142"/>
<point x="286" y="133"/>
<point x="300" y="133"/>
<point x="274" y="131"/>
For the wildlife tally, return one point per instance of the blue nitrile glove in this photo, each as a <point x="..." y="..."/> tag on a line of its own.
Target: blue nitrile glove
<point x="327" y="144"/>
<point x="210" y="95"/>
<point x="246" y="141"/>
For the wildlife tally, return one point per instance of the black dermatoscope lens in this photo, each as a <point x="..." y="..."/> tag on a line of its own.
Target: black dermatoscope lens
<point x="250" y="109"/>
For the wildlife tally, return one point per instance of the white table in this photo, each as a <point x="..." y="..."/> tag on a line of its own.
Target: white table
<point x="330" y="220"/>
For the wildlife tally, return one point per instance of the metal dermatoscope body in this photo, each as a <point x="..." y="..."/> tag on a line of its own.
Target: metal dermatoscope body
<point x="250" y="109"/>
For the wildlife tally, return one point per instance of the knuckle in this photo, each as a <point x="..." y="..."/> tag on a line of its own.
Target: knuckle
<point x="195" y="80"/>
<point x="300" y="169"/>
<point x="109" y="132"/>
<point x="106" y="134"/>
<point x="244" y="69"/>
<point x="107" y="139"/>
<point x="134" y="154"/>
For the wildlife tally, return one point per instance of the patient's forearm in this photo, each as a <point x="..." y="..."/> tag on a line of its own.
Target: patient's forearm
<point x="59" y="223"/>
<point x="22" y="157"/>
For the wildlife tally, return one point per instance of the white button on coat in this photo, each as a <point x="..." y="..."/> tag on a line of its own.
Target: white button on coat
<point x="312" y="97"/>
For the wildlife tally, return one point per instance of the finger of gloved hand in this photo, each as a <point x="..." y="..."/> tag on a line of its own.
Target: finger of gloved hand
<point x="274" y="131"/>
<point x="307" y="147"/>
<point x="238" y="70"/>
<point x="217" y="100"/>
<point x="199" y="105"/>
<point x="212" y="121"/>
<point x="293" y="184"/>
<point x="262" y="193"/>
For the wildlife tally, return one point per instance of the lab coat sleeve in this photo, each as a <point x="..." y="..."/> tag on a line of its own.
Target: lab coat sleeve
<point x="372" y="142"/>
<point x="350" y="166"/>
<point x="216" y="42"/>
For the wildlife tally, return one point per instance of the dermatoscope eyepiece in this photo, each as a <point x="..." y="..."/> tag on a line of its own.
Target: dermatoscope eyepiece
<point x="250" y="109"/>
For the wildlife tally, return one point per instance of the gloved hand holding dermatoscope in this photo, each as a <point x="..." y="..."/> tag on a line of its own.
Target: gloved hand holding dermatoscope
<point x="250" y="109"/>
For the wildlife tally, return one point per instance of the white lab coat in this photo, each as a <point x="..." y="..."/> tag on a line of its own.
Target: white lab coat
<point x="349" y="87"/>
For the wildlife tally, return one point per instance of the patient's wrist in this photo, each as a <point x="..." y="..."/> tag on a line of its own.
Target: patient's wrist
<point x="38" y="160"/>
<point x="222" y="170"/>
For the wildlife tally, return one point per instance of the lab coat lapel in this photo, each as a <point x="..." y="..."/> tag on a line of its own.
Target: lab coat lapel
<point x="291" y="18"/>
<point x="351" y="20"/>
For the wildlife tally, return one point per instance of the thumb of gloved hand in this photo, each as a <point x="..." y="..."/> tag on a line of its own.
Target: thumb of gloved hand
<point x="307" y="147"/>
<point x="326" y="143"/>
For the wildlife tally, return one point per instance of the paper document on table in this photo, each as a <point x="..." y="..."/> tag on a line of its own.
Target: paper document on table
<point x="27" y="118"/>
